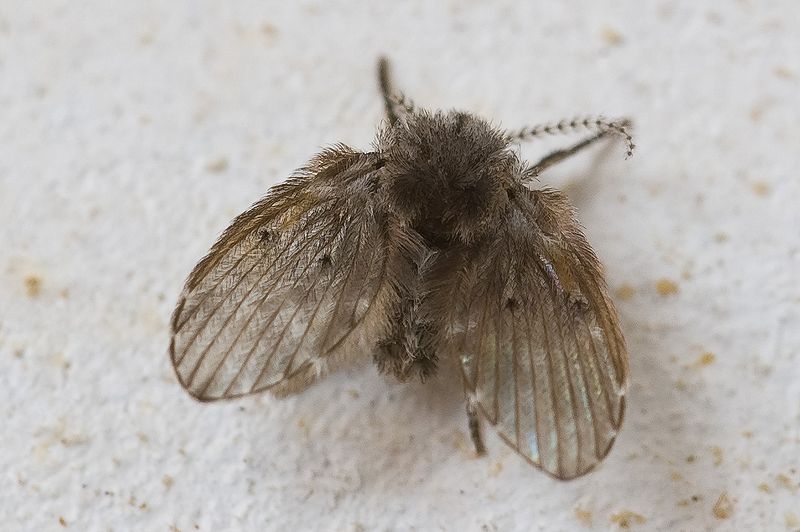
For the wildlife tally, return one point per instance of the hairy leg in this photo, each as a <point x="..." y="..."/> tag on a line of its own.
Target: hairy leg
<point x="409" y="348"/>
<point x="557" y="156"/>
<point x="474" y="424"/>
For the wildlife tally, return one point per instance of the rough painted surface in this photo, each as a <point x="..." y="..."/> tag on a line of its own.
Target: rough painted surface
<point x="131" y="134"/>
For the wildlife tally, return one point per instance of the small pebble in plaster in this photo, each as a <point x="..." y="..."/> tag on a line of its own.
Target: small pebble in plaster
<point x="706" y="359"/>
<point x="584" y="516"/>
<point x="62" y="522"/>
<point x="716" y="452"/>
<point x="691" y="459"/>
<point x="168" y="481"/>
<point x="723" y="508"/>
<point x="147" y="37"/>
<point x="217" y="165"/>
<point x="792" y="521"/>
<point x="784" y="72"/>
<point x="757" y="111"/>
<point x="627" y="518"/>
<point x="60" y="361"/>
<point x="786" y="482"/>
<point x="666" y="287"/>
<point x="143" y="506"/>
<point x="714" y="18"/>
<point x="304" y="428"/>
<point x="269" y="31"/>
<point x="611" y="36"/>
<point x="764" y="487"/>
<point x="720" y="237"/>
<point x="33" y="286"/>
<point x="760" y="189"/>
<point x="625" y="292"/>
<point x="690" y="500"/>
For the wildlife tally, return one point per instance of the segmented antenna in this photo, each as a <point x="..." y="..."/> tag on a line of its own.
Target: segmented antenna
<point x="392" y="101"/>
<point x="404" y="102"/>
<point x="599" y="124"/>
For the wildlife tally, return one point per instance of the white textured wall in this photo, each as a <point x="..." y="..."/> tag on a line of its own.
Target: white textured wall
<point x="131" y="133"/>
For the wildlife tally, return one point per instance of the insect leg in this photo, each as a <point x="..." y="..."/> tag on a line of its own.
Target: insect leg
<point x="409" y="348"/>
<point x="557" y="156"/>
<point x="395" y="105"/>
<point x="474" y="423"/>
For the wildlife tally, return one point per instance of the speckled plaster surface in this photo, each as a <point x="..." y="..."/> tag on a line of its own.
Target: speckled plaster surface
<point x="131" y="134"/>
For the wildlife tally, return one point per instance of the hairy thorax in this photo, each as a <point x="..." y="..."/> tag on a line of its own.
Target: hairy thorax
<point x="447" y="174"/>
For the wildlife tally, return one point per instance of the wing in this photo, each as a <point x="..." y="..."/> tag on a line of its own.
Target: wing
<point x="289" y="288"/>
<point x="538" y="338"/>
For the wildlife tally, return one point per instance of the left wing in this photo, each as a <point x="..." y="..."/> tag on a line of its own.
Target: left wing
<point x="295" y="283"/>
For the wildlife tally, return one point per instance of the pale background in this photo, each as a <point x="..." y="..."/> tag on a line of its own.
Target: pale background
<point x="131" y="133"/>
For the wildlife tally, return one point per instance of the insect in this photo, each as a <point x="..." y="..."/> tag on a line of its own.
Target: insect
<point x="429" y="246"/>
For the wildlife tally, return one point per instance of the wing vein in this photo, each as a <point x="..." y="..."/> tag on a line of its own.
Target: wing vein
<point x="275" y="314"/>
<point x="318" y="305"/>
<point x="288" y="322"/>
<point x="551" y="379"/>
<point x="593" y="358"/>
<point x="569" y="381"/>
<point x="229" y="316"/>
<point x="222" y="277"/>
<point x="344" y="287"/>
<point x="534" y="407"/>
<point x="222" y="300"/>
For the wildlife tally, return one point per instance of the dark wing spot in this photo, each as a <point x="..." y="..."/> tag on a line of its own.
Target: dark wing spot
<point x="267" y="235"/>
<point x="578" y="303"/>
<point x="511" y="303"/>
<point x="325" y="260"/>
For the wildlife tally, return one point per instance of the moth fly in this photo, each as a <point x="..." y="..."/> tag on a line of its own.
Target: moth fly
<point x="431" y="245"/>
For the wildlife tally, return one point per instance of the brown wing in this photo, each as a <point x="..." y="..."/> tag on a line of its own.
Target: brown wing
<point x="538" y="337"/>
<point x="293" y="281"/>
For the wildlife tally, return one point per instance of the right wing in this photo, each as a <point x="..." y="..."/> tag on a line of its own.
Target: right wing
<point x="537" y="336"/>
<point x="289" y="288"/>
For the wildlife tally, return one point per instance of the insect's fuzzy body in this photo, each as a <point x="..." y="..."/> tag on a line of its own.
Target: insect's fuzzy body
<point x="429" y="246"/>
<point x="446" y="182"/>
<point x="448" y="174"/>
